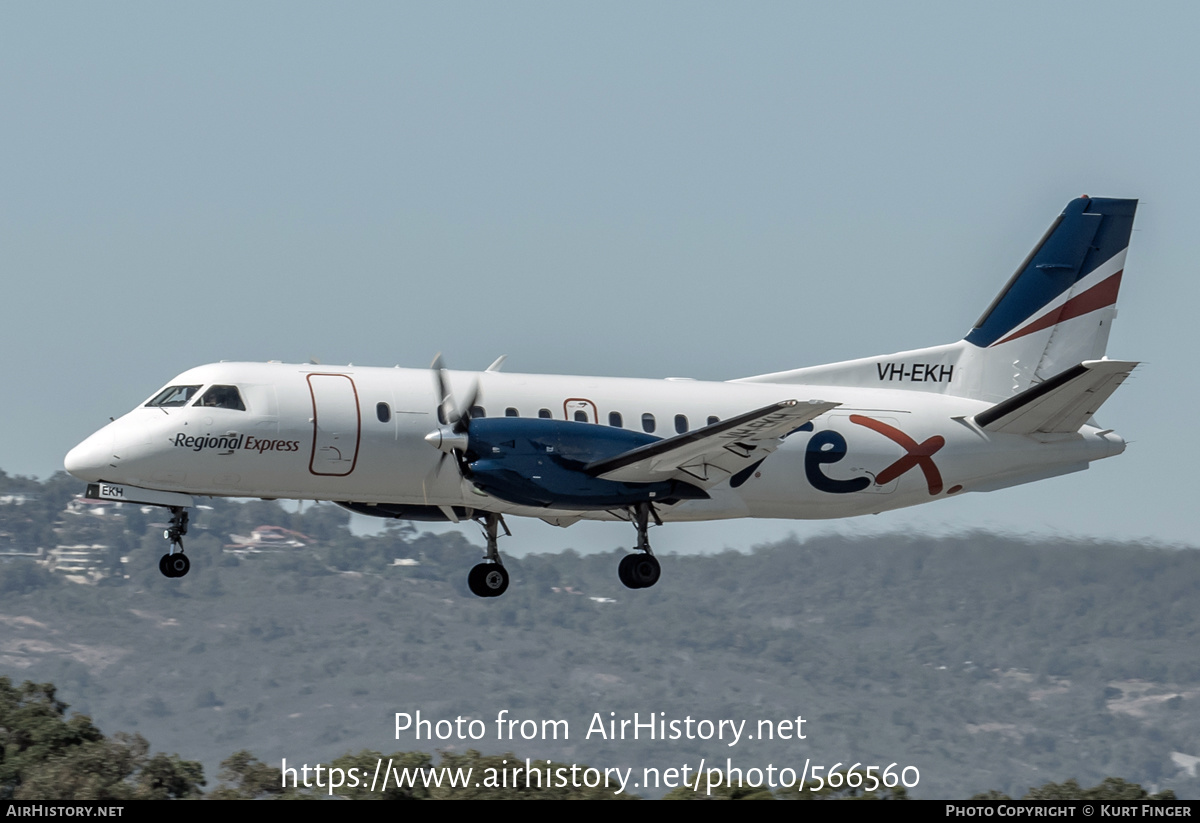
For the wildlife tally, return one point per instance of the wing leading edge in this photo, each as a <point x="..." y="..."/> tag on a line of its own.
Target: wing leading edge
<point x="707" y="456"/>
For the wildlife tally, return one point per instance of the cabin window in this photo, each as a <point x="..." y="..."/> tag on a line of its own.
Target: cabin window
<point x="712" y="418"/>
<point x="476" y="412"/>
<point x="511" y="412"/>
<point x="647" y="422"/>
<point x="614" y="420"/>
<point x="174" y="396"/>
<point x="544" y="414"/>
<point x="384" y="412"/>
<point x="581" y="416"/>
<point x="681" y="423"/>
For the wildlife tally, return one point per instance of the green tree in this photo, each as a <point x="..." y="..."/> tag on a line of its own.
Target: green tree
<point x="245" y="777"/>
<point x="33" y="729"/>
<point x="504" y="777"/>
<point x="118" y="768"/>
<point x="44" y="755"/>
<point x="391" y="785"/>
<point x="1109" y="789"/>
<point x="688" y="791"/>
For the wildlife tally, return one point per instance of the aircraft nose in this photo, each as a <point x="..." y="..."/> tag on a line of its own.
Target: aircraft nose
<point x="89" y="459"/>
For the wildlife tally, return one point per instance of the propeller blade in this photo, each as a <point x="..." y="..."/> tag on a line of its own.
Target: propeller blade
<point x="445" y="402"/>
<point x="464" y="419"/>
<point x="450" y="413"/>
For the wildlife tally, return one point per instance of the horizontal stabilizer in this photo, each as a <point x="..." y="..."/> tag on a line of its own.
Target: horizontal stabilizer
<point x="1061" y="404"/>
<point x="707" y="456"/>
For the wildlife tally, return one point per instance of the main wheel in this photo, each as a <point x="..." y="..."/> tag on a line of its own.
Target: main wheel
<point x="625" y="571"/>
<point x="174" y="565"/>
<point x="644" y="570"/>
<point x="488" y="580"/>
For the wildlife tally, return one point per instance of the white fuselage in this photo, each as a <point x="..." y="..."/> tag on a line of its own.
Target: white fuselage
<point x="359" y="434"/>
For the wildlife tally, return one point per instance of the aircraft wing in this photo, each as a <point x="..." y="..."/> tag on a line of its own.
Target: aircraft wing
<point x="707" y="456"/>
<point x="1061" y="404"/>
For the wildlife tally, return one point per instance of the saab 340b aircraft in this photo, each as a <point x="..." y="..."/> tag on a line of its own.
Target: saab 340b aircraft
<point x="1010" y="403"/>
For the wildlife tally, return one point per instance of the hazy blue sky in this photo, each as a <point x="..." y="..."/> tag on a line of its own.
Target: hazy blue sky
<point x="670" y="189"/>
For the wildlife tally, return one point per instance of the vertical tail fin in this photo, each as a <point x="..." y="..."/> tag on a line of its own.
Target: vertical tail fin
<point x="1052" y="315"/>
<point x="1057" y="309"/>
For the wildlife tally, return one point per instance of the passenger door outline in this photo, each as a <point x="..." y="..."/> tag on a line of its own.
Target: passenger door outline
<point x="335" y="411"/>
<point x="574" y="404"/>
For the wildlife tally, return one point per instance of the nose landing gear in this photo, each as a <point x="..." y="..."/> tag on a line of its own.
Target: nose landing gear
<point x="175" y="563"/>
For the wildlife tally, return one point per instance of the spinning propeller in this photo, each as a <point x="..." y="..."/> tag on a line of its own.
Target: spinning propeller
<point x="451" y="437"/>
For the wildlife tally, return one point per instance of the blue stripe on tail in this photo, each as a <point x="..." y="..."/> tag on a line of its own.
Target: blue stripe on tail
<point x="1088" y="233"/>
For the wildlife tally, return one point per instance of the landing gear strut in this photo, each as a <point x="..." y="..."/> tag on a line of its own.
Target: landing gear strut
<point x="490" y="578"/>
<point x="175" y="563"/>
<point x="641" y="571"/>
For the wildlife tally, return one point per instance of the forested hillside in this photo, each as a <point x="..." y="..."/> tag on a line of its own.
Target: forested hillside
<point x="986" y="662"/>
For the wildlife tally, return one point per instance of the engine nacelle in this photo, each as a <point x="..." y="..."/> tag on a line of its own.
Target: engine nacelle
<point x="397" y="511"/>
<point x="540" y="463"/>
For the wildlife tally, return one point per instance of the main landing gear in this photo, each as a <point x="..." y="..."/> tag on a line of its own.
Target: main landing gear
<point x="641" y="571"/>
<point x="490" y="578"/>
<point x="636" y="571"/>
<point x="175" y="563"/>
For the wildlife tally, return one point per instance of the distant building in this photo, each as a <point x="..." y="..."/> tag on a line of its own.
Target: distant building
<point x="81" y="563"/>
<point x="95" y="508"/>
<point x="267" y="539"/>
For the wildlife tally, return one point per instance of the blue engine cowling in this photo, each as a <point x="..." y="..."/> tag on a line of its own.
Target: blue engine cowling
<point x="398" y="511"/>
<point x="540" y="463"/>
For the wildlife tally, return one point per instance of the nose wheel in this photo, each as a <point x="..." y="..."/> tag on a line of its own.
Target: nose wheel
<point x="175" y="563"/>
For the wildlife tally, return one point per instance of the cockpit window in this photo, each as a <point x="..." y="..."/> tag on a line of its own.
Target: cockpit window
<point x="222" y="397"/>
<point x="174" y="396"/>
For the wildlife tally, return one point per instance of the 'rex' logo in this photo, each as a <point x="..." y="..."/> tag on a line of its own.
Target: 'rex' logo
<point x="919" y="454"/>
